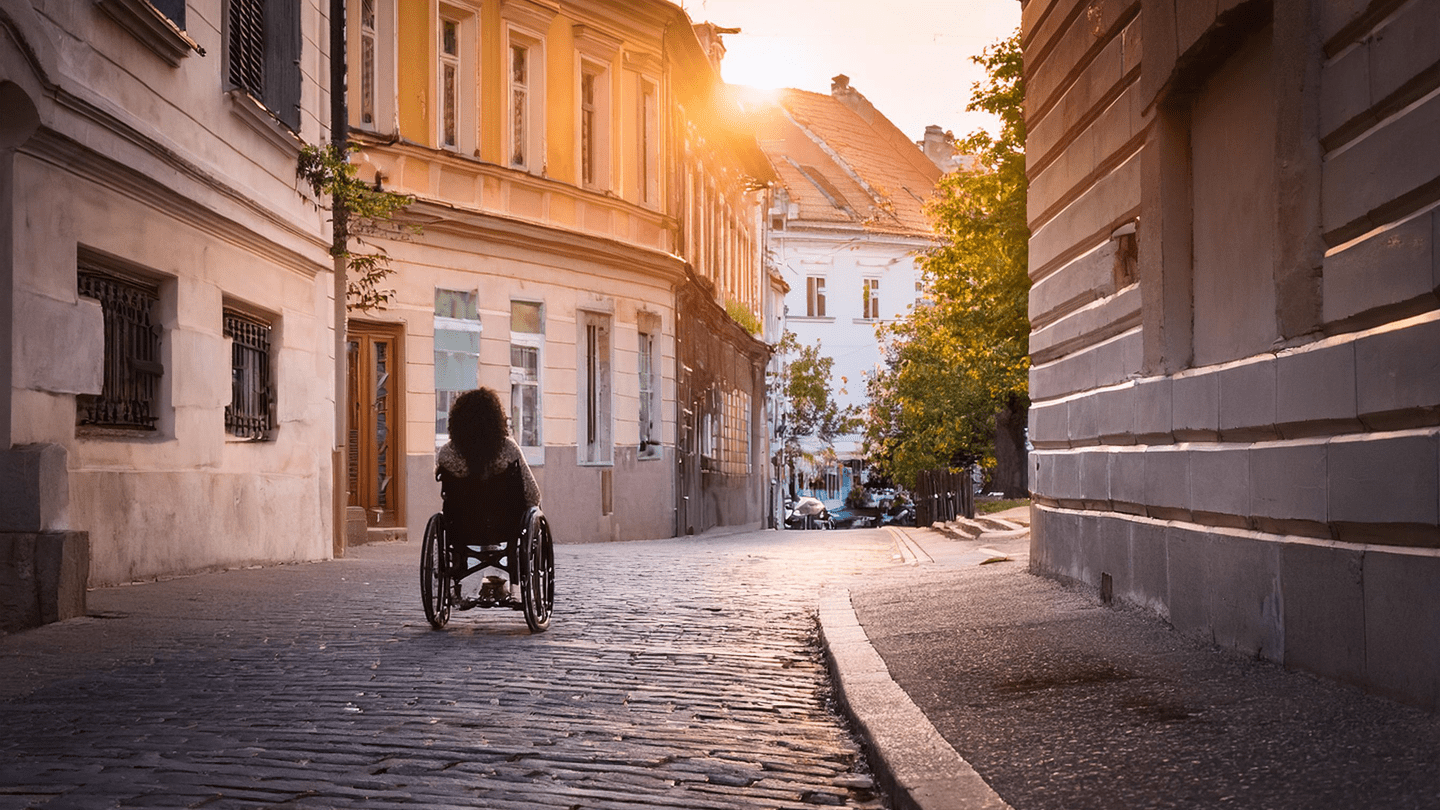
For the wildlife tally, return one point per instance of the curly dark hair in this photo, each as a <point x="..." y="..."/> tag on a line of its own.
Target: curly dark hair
<point x="478" y="425"/>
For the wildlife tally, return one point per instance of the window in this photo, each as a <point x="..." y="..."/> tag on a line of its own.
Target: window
<point x="870" y="299"/>
<point x="815" y="297"/>
<point x="588" y="113"/>
<point x="735" y="436"/>
<point x="648" y="137"/>
<point x="371" y="27"/>
<point x="593" y="127"/>
<point x="527" y="343"/>
<point x="709" y="432"/>
<point x="174" y="9"/>
<point x="519" y="104"/>
<point x="142" y="18"/>
<point x="649" y="430"/>
<point x="524" y="23"/>
<point x="251" y="412"/>
<point x="449" y="83"/>
<point x="596" y="445"/>
<point x="457" y="353"/>
<point x="128" y="394"/>
<point x="263" y="57"/>
<point x="367" y="61"/>
<point x="595" y="52"/>
<point x="1232" y="207"/>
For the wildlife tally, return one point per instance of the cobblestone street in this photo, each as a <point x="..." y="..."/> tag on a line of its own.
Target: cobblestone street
<point x="677" y="673"/>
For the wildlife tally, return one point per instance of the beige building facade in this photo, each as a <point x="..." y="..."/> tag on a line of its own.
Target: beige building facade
<point x="164" y="294"/>
<point x="1235" y="323"/>
<point x="574" y="171"/>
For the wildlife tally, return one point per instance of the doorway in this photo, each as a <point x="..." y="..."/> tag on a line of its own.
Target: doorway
<point x="375" y="441"/>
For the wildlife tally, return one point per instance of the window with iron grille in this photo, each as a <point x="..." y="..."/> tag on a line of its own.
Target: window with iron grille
<point x="251" y="412"/>
<point x="264" y="54"/>
<point x="132" y="368"/>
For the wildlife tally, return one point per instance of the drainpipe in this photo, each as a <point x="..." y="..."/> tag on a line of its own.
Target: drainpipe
<point x="339" y="137"/>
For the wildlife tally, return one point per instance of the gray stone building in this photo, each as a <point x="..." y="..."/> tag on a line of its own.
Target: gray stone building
<point x="1235" y="331"/>
<point x="164" y="288"/>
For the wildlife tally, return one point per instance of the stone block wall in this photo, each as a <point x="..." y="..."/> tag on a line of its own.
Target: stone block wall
<point x="42" y="578"/>
<point x="1243" y="428"/>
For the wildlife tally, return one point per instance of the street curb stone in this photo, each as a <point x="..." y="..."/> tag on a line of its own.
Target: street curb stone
<point x="912" y="761"/>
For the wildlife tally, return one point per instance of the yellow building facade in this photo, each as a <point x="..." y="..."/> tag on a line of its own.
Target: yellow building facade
<point x="575" y="167"/>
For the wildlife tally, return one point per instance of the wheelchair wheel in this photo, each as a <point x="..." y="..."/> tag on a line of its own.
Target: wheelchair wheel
<point x="435" y="572"/>
<point x="537" y="572"/>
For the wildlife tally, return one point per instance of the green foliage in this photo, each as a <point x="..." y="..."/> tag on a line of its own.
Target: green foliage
<point x="812" y="412"/>
<point x="742" y="315"/>
<point x="330" y="174"/>
<point x="991" y="507"/>
<point x="962" y="355"/>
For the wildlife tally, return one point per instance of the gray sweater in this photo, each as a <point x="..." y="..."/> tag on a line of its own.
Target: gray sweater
<point x="454" y="464"/>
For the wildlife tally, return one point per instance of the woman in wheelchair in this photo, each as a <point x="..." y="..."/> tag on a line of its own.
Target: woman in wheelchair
<point x="490" y="514"/>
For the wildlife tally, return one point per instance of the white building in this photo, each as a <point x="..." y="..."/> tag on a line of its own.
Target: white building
<point x="845" y="227"/>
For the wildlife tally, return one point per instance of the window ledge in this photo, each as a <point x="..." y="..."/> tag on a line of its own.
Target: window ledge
<point x="104" y="433"/>
<point x="263" y="121"/>
<point x="813" y="318"/>
<point x="534" y="456"/>
<point x="154" y="30"/>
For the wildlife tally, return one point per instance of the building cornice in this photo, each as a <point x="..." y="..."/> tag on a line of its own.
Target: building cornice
<point x="797" y="231"/>
<point x="493" y="229"/>
<point x="73" y="157"/>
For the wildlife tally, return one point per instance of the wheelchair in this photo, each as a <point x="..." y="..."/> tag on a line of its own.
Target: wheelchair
<point x="479" y="527"/>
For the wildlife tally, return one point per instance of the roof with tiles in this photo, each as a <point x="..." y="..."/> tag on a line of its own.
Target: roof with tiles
<point x="841" y="161"/>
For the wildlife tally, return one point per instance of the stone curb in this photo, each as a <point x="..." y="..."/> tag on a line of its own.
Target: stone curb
<point x="912" y="761"/>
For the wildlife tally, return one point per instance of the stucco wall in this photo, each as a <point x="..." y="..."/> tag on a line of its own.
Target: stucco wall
<point x="187" y="496"/>
<point x="517" y="262"/>
<point x="1241" y="430"/>
<point x="155" y="171"/>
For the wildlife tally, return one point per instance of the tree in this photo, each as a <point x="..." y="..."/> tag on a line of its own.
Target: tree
<point x="954" y="387"/>
<point x="812" y="412"/>
<point x="330" y="174"/>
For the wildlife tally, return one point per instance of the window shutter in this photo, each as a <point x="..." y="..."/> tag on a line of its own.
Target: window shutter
<point x="282" y="61"/>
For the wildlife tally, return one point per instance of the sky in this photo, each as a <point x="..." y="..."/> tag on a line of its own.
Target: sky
<point x="910" y="58"/>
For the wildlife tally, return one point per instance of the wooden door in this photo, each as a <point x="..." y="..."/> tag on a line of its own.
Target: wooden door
<point x="375" y="427"/>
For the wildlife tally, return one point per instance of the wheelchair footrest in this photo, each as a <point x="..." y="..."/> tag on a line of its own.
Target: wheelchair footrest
<point x="477" y="602"/>
<point x="493" y="593"/>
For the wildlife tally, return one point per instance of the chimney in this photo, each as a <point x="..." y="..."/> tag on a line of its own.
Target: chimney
<point x="709" y="35"/>
<point x="842" y="92"/>
<point x="939" y="146"/>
